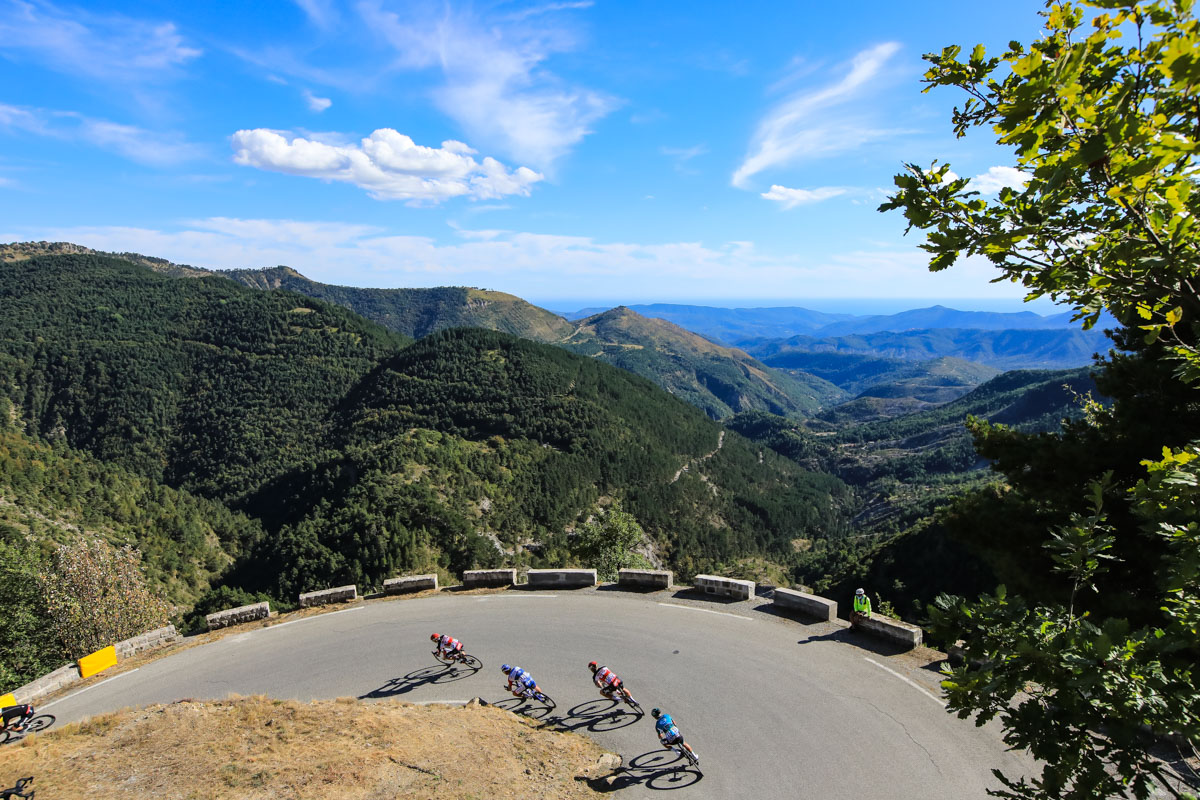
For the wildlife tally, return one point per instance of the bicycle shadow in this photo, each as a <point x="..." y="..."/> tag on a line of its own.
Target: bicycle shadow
<point x="599" y="716"/>
<point x="661" y="770"/>
<point x="528" y="708"/>
<point x="433" y="675"/>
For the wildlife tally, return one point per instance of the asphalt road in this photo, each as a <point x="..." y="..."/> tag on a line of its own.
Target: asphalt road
<point x="774" y="707"/>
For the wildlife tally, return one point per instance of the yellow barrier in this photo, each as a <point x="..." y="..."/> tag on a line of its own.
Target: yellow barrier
<point x="7" y="700"/>
<point x="97" y="661"/>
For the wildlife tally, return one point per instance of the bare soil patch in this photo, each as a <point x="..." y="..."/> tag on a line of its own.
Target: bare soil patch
<point x="262" y="748"/>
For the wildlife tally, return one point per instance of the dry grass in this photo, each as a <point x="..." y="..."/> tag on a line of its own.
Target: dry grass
<point x="262" y="748"/>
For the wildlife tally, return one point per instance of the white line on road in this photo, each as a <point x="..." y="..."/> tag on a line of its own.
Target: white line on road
<point x="705" y="610"/>
<point x="439" y="702"/>
<point x="93" y="686"/>
<point x="910" y="682"/>
<point x="485" y="599"/>
<point x="309" y="619"/>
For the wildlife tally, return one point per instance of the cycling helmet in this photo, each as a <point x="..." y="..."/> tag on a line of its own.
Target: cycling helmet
<point x="433" y="637"/>
<point x="654" y="712"/>
<point x="506" y="669"/>
<point x="593" y="666"/>
<point x="859" y="592"/>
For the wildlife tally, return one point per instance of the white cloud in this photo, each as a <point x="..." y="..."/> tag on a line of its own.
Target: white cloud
<point x="813" y="123"/>
<point x="317" y="104"/>
<point x="790" y="198"/>
<point x="682" y="155"/>
<point x="496" y="84"/>
<point x="540" y="265"/>
<point x="997" y="178"/>
<point x="154" y="148"/>
<point x="109" y="48"/>
<point x="388" y="164"/>
<point x="319" y="12"/>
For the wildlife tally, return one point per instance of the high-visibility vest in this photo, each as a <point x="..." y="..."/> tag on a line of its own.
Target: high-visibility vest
<point x="862" y="604"/>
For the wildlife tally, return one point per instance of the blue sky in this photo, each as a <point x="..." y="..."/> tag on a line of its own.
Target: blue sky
<point x="573" y="153"/>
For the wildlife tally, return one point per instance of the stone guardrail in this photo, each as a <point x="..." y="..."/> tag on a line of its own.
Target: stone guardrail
<point x="726" y="587"/>
<point x="805" y="603"/>
<point x="69" y="674"/>
<point x="479" y="578"/>
<point x="901" y="633"/>
<point x="322" y="597"/>
<point x="562" y="578"/>
<point x="645" y="578"/>
<point x="410" y="583"/>
<point x="148" y="641"/>
<point x="236" y="616"/>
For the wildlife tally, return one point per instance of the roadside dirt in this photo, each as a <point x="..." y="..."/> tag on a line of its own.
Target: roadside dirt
<point x="261" y="748"/>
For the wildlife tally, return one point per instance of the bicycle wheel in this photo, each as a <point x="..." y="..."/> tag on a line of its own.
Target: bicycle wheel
<point x="470" y="662"/>
<point x="40" y="723"/>
<point x="542" y="697"/>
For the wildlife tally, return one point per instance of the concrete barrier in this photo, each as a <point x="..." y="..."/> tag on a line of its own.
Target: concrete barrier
<point x="410" y="583"/>
<point x="805" y="603"/>
<point x="562" y="578"/>
<point x="725" y="587"/>
<point x="645" y="578"/>
<point x="236" y="616"/>
<point x="159" y="637"/>
<point x="339" y="594"/>
<point x="34" y="690"/>
<point x="893" y="630"/>
<point x="479" y="578"/>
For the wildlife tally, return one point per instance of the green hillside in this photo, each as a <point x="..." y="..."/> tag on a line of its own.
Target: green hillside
<point x="720" y="380"/>
<point x="361" y="456"/>
<point x="420" y="312"/>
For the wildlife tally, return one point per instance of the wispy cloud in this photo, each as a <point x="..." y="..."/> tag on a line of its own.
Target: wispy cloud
<point x="816" y="122"/>
<point x="102" y="47"/>
<point x="316" y="104"/>
<point x="387" y="164"/>
<point x="154" y="148"/>
<point x="790" y="198"/>
<point x="534" y="264"/>
<point x="682" y="155"/>
<point x="321" y="13"/>
<point x="496" y="82"/>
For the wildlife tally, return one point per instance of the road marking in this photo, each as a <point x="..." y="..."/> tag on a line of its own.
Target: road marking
<point x="705" y="610"/>
<point x="439" y="702"/>
<point x="485" y="599"/>
<point x="910" y="682"/>
<point x="93" y="686"/>
<point x="309" y="619"/>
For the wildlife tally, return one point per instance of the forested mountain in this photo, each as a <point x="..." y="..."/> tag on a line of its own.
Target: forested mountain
<point x="1001" y="349"/>
<point x="420" y="312"/>
<point x="720" y="380"/>
<point x="360" y="455"/>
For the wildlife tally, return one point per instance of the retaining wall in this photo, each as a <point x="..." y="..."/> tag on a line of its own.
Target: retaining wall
<point x="893" y="630"/>
<point x="63" y="676"/>
<point x="562" y="578"/>
<point x="645" y="578"/>
<point x="724" y="587"/>
<point x="479" y="578"/>
<point x="148" y="641"/>
<point x="808" y="604"/>
<point x="410" y="583"/>
<point x="338" y="594"/>
<point x="236" y="616"/>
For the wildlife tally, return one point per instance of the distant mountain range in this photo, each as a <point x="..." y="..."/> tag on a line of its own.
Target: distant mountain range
<point x="733" y="326"/>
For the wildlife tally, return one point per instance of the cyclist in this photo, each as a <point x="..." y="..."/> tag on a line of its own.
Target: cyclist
<point x="24" y="712"/>
<point x="447" y="646"/>
<point x="668" y="733"/>
<point x="607" y="681"/>
<point x="520" y="682"/>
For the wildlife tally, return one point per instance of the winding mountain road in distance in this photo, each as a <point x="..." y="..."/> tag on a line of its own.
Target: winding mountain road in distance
<point x="774" y="707"/>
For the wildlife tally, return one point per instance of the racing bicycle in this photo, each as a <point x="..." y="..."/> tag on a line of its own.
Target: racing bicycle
<point x="38" y="723"/>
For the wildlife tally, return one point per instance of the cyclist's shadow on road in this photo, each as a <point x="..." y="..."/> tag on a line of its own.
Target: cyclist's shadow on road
<point x="661" y="770"/>
<point x="433" y="675"/>
<point x="598" y="716"/>
<point x="528" y="708"/>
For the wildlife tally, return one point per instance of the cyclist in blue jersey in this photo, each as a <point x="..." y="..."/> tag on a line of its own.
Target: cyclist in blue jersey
<point x="668" y="732"/>
<point x="520" y="682"/>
